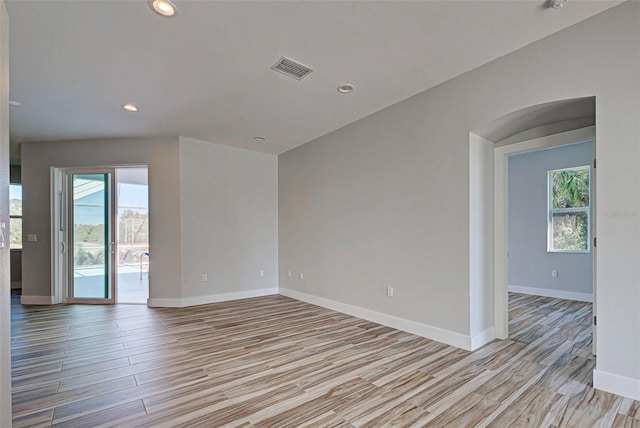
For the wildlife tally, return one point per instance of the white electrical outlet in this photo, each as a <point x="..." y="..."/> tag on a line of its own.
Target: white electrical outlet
<point x="204" y="277"/>
<point x="554" y="273"/>
<point x="301" y="275"/>
<point x="389" y="291"/>
<point x="289" y="273"/>
<point x="261" y="272"/>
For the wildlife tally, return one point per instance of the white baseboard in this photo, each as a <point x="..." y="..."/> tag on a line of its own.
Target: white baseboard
<point x="213" y="298"/>
<point x="36" y="300"/>
<point x="609" y="382"/>
<point x="557" y="294"/>
<point x="482" y="338"/>
<point x="434" y="333"/>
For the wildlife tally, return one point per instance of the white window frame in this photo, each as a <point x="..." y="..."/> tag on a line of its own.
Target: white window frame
<point x="551" y="211"/>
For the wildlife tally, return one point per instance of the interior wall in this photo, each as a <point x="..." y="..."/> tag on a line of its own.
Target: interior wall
<point x="370" y="206"/>
<point x="530" y="264"/>
<point x="213" y="210"/>
<point x="385" y="200"/>
<point x="5" y="282"/>
<point x="161" y="155"/>
<point x="229" y="217"/>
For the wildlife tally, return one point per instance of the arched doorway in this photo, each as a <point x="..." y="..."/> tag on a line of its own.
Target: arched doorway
<point x="533" y="128"/>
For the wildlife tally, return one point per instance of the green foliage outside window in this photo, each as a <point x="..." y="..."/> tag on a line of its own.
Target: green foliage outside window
<point x="569" y="210"/>
<point x="570" y="188"/>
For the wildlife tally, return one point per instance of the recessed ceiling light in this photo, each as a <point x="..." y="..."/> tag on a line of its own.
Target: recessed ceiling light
<point x="346" y="88"/>
<point x="130" y="107"/>
<point x="260" y="138"/>
<point x="556" y="4"/>
<point x="164" y="8"/>
<point x="15" y="103"/>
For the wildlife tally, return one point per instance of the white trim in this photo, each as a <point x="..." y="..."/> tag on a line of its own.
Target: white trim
<point x="482" y="338"/>
<point x="213" y="298"/>
<point x="36" y="300"/>
<point x="501" y="214"/>
<point x="547" y="292"/>
<point x="481" y="263"/>
<point x="59" y="274"/>
<point x="620" y="385"/>
<point x="434" y="333"/>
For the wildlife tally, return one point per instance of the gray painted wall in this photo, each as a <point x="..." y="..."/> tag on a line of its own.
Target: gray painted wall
<point x="229" y="214"/>
<point x="213" y="209"/>
<point x="385" y="200"/>
<point x="530" y="264"/>
<point x="164" y="203"/>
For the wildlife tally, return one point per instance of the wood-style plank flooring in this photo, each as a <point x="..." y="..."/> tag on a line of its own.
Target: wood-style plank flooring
<point x="277" y="362"/>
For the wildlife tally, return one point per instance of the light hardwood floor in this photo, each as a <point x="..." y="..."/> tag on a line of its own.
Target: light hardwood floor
<point x="277" y="362"/>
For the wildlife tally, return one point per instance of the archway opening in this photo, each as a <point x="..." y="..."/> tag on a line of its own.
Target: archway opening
<point x="538" y="127"/>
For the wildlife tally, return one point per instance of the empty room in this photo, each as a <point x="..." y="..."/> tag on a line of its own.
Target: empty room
<point x="319" y="214"/>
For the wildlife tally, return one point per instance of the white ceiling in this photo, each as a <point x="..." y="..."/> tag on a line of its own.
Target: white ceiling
<point x="206" y="73"/>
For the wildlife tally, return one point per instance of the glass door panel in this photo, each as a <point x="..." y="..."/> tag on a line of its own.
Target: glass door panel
<point x="132" y="234"/>
<point x="91" y="237"/>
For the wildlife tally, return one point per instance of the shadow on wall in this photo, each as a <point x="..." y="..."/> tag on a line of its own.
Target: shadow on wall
<point x="539" y="121"/>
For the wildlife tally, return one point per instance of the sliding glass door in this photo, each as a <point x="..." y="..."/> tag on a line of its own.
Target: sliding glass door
<point x="91" y="236"/>
<point x="101" y="234"/>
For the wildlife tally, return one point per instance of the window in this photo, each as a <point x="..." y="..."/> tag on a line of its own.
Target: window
<point x="15" y="214"/>
<point x="569" y="211"/>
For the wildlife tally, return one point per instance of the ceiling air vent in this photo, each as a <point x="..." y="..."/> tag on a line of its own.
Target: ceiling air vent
<point x="291" y="68"/>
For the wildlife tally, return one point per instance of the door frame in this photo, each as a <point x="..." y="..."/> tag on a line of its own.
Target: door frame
<point x="110" y="241"/>
<point x="59" y="264"/>
<point x="501" y="216"/>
